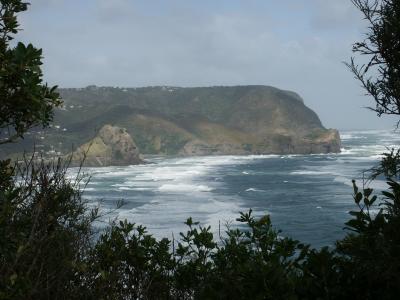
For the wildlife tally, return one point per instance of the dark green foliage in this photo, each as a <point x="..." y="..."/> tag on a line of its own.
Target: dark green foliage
<point x="254" y="263"/>
<point x="24" y="101"/>
<point x="251" y="264"/>
<point x="371" y="255"/>
<point x="45" y="228"/>
<point x="389" y="165"/>
<point x="128" y="264"/>
<point x="44" y="224"/>
<point x="380" y="77"/>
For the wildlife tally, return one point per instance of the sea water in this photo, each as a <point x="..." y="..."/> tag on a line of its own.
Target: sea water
<point x="307" y="196"/>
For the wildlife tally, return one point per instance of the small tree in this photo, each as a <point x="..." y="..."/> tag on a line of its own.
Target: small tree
<point x="45" y="226"/>
<point x="25" y="102"/>
<point x="368" y="259"/>
<point x="380" y="77"/>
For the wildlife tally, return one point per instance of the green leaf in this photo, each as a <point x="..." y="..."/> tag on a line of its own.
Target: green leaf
<point x="358" y="197"/>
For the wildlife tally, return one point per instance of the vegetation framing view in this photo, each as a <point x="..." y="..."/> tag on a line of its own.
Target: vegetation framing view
<point x="51" y="248"/>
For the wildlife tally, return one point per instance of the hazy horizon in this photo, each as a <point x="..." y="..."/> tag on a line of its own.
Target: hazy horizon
<point x="292" y="45"/>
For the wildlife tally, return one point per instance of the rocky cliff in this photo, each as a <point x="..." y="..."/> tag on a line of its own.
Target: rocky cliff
<point x="112" y="146"/>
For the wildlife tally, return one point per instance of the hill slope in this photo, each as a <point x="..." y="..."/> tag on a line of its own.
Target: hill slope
<point x="193" y="121"/>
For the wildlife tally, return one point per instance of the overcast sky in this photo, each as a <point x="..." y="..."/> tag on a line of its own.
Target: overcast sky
<point x="298" y="45"/>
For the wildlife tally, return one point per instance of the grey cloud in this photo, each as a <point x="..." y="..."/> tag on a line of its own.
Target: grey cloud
<point x="114" y="11"/>
<point x="334" y="14"/>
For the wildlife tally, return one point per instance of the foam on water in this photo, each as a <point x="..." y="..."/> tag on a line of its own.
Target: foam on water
<point x="304" y="193"/>
<point x="181" y="187"/>
<point x="165" y="217"/>
<point x="254" y="190"/>
<point x="178" y="189"/>
<point x="310" y="173"/>
<point x="351" y="137"/>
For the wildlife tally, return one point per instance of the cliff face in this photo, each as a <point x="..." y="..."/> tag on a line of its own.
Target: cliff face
<point x="327" y="142"/>
<point x="112" y="146"/>
<point x="192" y="121"/>
<point x="205" y="121"/>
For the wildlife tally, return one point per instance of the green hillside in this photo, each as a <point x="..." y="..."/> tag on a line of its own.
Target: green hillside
<point x="188" y="121"/>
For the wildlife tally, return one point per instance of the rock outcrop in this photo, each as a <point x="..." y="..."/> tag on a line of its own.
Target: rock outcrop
<point x="112" y="146"/>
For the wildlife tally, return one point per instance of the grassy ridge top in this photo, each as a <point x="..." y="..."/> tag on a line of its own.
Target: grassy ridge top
<point x="216" y="104"/>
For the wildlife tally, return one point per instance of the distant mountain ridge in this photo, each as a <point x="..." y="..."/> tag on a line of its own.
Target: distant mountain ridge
<point x="194" y="121"/>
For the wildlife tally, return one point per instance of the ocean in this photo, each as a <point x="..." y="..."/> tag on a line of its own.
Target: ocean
<point x="307" y="196"/>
